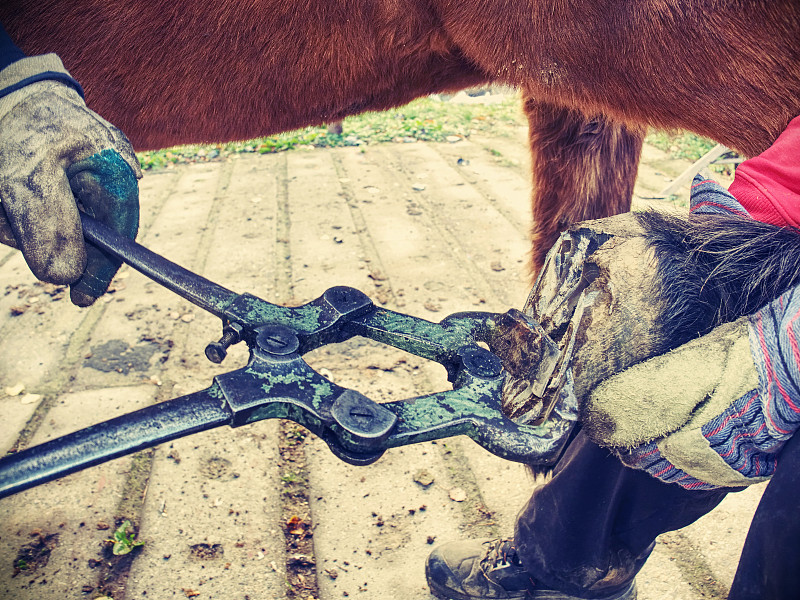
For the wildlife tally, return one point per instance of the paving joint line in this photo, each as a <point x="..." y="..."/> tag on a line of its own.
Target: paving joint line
<point x="284" y="286"/>
<point x="368" y="246"/>
<point x="302" y="566"/>
<point x="450" y="239"/>
<point x="693" y="566"/>
<point x="8" y="256"/>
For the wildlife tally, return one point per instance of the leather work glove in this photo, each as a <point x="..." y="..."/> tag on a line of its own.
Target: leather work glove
<point x="702" y="415"/>
<point x="56" y="157"/>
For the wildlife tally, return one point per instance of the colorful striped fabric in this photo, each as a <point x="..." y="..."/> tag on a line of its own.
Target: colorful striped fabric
<point x="709" y="197"/>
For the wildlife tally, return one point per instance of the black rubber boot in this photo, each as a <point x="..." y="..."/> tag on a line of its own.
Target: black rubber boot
<point x="490" y="570"/>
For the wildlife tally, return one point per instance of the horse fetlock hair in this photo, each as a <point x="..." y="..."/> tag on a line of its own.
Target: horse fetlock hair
<point x="713" y="269"/>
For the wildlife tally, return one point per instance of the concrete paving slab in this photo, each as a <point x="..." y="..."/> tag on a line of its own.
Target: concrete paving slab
<point x="15" y="411"/>
<point x="325" y="248"/>
<point x="661" y="579"/>
<point x="409" y="236"/>
<point x="211" y="519"/>
<point x="480" y="237"/>
<point x="505" y="188"/>
<point x="377" y="524"/>
<point x="52" y="537"/>
<point x="241" y="252"/>
<point x="212" y="509"/>
<point x="33" y="343"/>
<point x="81" y="409"/>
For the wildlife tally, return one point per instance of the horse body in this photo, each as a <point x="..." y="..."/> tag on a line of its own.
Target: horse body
<point x="180" y="72"/>
<point x="594" y="73"/>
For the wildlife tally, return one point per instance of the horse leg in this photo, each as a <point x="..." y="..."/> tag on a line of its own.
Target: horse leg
<point x="584" y="167"/>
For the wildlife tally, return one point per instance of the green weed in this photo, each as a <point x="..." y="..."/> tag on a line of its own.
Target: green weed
<point x="684" y="145"/>
<point x="291" y="478"/>
<point x="124" y="539"/>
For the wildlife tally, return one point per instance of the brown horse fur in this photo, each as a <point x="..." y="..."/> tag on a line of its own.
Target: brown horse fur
<point x="594" y="73"/>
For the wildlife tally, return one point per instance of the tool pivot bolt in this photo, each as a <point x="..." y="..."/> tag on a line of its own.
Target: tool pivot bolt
<point x="480" y="362"/>
<point x="277" y="339"/>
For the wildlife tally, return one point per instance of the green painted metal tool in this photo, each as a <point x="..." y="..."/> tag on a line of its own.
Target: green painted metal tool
<point x="488" y="357"/>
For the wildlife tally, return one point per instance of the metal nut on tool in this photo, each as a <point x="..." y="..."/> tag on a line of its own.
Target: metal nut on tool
<point x="347" y="300"/>
<point x="480" y="362"/>
<point x="217" y="351"/>
<point x="361" y="418"/>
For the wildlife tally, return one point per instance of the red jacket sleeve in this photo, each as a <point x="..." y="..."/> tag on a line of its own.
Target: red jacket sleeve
<point x="768" y="185"/>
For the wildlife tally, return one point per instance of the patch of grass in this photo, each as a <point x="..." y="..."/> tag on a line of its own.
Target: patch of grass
<point x="426" y="119"/>
<point x="685" y="145"/>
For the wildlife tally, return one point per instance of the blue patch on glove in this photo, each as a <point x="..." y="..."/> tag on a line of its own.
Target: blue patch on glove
<point x="106" y="189"/>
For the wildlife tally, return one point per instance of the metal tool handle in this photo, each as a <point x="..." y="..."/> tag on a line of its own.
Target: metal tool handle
<point x="111" y="439"/>
<point x="196" y="289"/>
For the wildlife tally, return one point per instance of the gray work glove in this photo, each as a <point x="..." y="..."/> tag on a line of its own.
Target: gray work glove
<point x="57" y="156"/>
<point x="693" y="415"/>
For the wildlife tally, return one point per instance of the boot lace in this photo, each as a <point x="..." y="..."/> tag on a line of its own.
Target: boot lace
<point x="501" y="553"/>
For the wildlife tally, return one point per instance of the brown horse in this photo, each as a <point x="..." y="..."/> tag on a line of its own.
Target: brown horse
<point x="594" y="73"/>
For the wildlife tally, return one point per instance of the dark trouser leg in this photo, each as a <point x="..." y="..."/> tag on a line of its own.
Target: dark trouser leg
<point x="589" y="530"/>
<point x="770" y="564"/>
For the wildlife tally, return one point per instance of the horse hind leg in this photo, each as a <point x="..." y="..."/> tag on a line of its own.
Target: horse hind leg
<point x="584" y="167"/>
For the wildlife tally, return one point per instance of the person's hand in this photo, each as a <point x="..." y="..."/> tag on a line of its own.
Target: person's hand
<point x="57" y="156"/>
